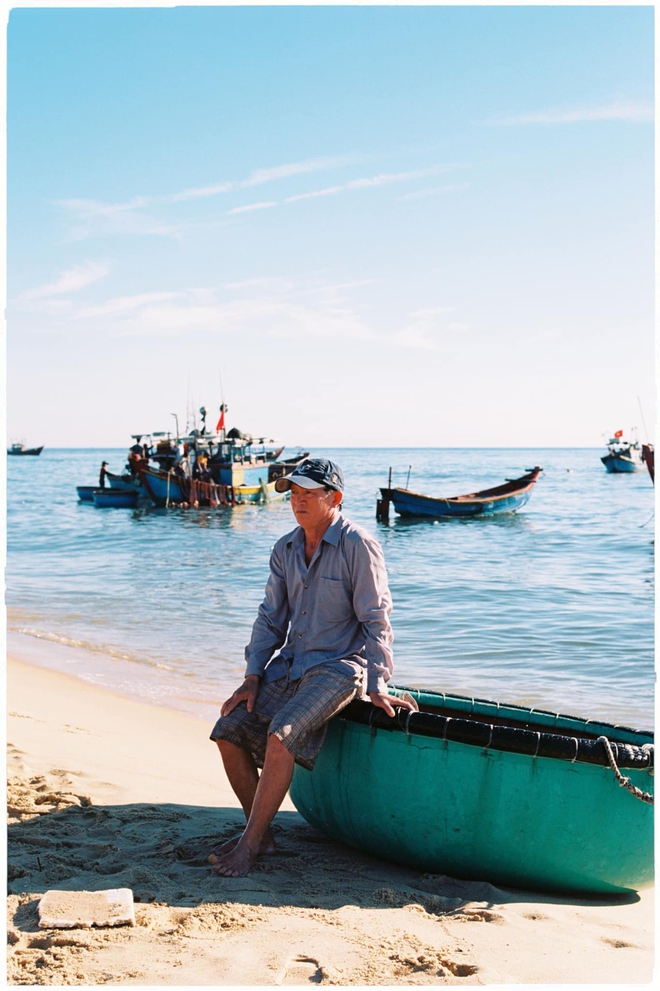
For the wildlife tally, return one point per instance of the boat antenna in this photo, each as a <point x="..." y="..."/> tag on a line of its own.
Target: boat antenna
<point x="408" y="479"/>
<point x="643" y="420"/>
<point x="176" y="420"/>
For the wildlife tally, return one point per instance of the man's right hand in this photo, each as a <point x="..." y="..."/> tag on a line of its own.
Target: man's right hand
<point x="246" y="693"/>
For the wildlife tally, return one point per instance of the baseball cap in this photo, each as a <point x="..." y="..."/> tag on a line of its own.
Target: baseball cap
<point x="313" y="473"/>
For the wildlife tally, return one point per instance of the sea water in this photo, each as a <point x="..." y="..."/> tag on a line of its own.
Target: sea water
<point x="550" y="607"/>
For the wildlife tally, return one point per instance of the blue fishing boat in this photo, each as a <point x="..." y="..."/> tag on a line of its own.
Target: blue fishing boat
<point x="489" y="791"/>
<point x="209" y="467"/>
<point x="506" y="498"/>
<point x="622" y="456"/>
<point x="86" y="492"/>
<point x="115" y="498"/>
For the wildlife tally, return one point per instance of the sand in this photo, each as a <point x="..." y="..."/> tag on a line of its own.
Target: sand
<point x="107" y="793"/>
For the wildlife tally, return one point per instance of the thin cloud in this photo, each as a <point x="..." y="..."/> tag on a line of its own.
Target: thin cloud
<point x="435" y="191"/>
<point x="618" y="110"/>
<point x="71" y="280"/>
<point x="122" y="304"/>
<point x="371" y="182"/>
<point x="252" y="206"/>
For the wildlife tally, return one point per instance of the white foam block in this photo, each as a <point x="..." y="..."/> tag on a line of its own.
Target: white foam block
<point x="82" y="909"/>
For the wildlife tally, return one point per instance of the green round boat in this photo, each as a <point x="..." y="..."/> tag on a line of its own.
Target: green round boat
<point x="475" y="789"/>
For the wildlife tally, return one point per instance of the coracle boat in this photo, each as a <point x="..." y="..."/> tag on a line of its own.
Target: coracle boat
<point x="501" y="793"/>
<point x="505" y="498"/>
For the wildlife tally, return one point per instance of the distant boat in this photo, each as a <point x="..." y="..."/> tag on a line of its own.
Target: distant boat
<point x="22" y="449"/>
<point x="648" y="457"/>
<point x="505" y="498"/>
<point x="622" y="456"/>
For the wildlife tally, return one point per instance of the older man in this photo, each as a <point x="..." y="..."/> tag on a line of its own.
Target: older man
<point x="326" y="609"/>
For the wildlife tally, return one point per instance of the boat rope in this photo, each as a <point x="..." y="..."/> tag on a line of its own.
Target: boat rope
<point x="647" y="522"/>
<point x="643" y="796"/>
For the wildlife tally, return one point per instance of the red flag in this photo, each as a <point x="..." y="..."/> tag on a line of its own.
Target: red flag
<point x="619" y="433"/>
<point x="221" y="421"/>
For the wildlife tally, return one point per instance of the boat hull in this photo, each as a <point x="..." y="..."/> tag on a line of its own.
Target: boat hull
<point x="616" y="464"/>
<point x="115" y="498"/>
<point x="168" y="490"/>
<point x="473" y="811"/>
<point x="85" y="492"/>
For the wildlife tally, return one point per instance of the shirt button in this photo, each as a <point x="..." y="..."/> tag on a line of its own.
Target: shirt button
<point x="305" y="586"/>
<point x="304" y="612"/>
<point x="300" y="636"/>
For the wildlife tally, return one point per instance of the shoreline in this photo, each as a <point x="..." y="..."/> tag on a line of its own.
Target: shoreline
<point x="109" y="792"/>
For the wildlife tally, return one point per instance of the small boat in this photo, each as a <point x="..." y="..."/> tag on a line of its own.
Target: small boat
<point x="115" y="498"/>
<point x="648" y="457"/>
<point x="505" y="498"/>
<point x="86" y="492"/>
<point x="22" y="449"/>
<point x="622" y="456"/>
<point x="476" y="789"/>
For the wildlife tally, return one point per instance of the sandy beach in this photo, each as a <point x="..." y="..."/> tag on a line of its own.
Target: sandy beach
<point x="105" y="792"/>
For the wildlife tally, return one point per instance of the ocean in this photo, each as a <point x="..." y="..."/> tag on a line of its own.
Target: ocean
<point x="551" y="607"/>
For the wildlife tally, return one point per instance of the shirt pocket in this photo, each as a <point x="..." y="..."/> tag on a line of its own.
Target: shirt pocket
<point x="335" y="602"/>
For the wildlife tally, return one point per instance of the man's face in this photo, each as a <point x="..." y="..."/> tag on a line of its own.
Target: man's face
<point x="313" y="507"/>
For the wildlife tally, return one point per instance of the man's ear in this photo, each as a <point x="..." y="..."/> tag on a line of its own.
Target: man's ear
<point x="337" y="498"/>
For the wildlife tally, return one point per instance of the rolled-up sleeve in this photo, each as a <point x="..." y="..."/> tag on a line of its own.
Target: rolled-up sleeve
<point x="372" y="603"/>
<point x="270" y="627"/>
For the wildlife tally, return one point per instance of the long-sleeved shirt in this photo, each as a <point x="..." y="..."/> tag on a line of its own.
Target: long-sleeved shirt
<point x="334" y="612"/>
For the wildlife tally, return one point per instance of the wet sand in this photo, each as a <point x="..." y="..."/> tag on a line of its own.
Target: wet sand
<point x="106" y="792"/>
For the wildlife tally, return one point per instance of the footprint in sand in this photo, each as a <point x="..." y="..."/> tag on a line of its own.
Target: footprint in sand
<point x="302" y="970"/>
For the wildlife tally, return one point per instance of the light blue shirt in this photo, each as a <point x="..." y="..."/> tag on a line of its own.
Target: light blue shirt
<point x="334" y="612"/>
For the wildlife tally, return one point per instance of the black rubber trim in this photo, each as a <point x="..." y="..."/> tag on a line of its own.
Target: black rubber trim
<point x="489" y="736"/>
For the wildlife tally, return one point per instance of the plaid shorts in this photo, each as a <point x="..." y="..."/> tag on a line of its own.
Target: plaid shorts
<point x="296" y="712"/>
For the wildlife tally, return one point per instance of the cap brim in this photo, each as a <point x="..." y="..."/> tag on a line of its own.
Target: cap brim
<point x="284" y="484"/>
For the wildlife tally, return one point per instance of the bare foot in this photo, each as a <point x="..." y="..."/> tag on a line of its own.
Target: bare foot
<point x="238" y="862"/>
<point x="267" y="845"/>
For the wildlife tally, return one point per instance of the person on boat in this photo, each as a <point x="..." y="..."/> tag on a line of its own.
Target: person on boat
<point x="326" y="609"/>
<point x="103" y="472"/>
<point x="134" y="458"/>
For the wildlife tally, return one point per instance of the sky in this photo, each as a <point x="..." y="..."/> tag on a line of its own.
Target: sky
<point x="356" y="225"/>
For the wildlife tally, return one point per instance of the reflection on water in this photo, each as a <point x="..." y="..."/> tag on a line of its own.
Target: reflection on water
<point x="551" y="606"/>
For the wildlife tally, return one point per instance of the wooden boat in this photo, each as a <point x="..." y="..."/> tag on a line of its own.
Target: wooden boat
<point x="622" y="456"/>
<point x="22" y="449"/>
<point x="115" y="498"/>
<point x="648" y="457"/>
<point x="505" y="498"/>
<point x="476" y="789"/>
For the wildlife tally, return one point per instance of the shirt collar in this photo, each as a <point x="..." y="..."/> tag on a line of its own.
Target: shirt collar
<point x="331" y="535"/>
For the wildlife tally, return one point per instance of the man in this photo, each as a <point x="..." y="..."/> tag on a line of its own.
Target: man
<point x="103" y="472"/>
<point x="327" y="607"/>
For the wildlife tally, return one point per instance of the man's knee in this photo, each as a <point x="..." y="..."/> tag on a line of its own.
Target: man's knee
<point x="276" y="748"/>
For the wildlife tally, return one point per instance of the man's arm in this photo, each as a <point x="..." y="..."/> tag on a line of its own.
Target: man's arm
<point x="373" y="604"/>
<point x="272" y="622"/>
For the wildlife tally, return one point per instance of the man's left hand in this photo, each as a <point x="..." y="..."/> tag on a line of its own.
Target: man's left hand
<point x="385" y="701"/>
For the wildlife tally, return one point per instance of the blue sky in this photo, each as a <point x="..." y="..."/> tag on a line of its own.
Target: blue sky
<point x="372" y="225"/>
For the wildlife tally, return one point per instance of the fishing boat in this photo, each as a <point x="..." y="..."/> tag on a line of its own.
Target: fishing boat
<point x="481" y="790"/>
<point x="648" y="457"/>
<point x="86" y="492"/>
<point x="22" y="449"/>
<point x="115" y="498"/>
<point x="506" y="498"/>
<point x="622" y="456"/>
<point x="236" y="467"/>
